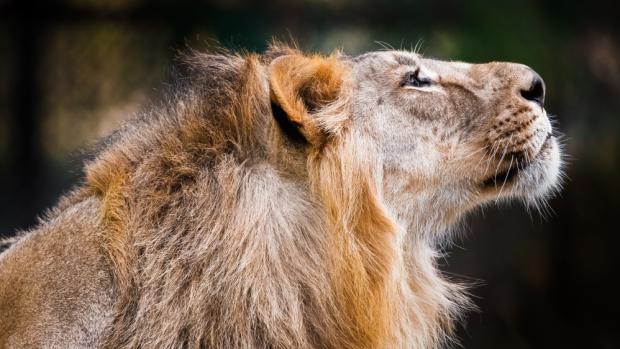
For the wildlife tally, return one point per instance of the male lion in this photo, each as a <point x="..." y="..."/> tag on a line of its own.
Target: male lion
<point x="281" y="200"/>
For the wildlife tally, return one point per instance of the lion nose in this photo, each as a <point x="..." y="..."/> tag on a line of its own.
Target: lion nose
<point x="536" y="91"/>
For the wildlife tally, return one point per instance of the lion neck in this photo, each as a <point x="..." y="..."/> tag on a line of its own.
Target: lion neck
<point x="368" y="273"/>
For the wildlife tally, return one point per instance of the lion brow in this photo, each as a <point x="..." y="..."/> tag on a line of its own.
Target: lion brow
<point x="404" y="60"/>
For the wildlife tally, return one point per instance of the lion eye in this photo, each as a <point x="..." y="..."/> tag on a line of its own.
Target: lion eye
<point x="414" y="79"/>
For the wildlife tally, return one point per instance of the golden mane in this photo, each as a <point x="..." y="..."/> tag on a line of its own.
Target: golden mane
<point x="215" y="241"/>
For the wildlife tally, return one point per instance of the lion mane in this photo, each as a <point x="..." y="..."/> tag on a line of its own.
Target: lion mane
<point x="218" y="235"/>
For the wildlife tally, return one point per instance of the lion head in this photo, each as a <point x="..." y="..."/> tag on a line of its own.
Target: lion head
<point x="293" y="200"/>
<point x="447" y="136"/>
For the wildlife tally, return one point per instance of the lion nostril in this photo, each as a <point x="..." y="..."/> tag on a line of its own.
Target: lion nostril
<point x="536" y="92"/>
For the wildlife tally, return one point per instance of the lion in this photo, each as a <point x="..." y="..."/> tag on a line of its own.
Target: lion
<point x="282" y="200"/>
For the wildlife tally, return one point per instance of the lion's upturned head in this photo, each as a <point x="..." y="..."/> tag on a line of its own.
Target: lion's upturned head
<point x="447" y="135"/>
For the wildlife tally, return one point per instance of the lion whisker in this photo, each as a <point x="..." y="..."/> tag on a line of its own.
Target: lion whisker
<point x="505" y="178"/>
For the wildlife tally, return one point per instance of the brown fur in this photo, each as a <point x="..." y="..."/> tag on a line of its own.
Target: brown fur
<point x="208" y="225"/>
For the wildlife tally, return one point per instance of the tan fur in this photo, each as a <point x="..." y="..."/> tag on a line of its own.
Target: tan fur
<point x="212" y="222"/>
<point x="294" y="78"/>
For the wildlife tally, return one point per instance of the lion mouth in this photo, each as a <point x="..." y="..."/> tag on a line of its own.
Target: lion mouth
<point x="507" y="176"/>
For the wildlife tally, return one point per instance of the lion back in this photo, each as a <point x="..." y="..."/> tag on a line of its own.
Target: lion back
<point x="55" y="285"/>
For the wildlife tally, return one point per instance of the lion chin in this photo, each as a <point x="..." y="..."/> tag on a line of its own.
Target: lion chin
<point x="281" y="200"/>
<point x="534" y="180"/>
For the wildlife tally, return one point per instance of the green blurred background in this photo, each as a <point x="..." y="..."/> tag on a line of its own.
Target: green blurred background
<point x="71" y="71"/>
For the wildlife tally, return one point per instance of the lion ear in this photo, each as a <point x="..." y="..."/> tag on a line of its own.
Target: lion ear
<point x="300" y="86"/>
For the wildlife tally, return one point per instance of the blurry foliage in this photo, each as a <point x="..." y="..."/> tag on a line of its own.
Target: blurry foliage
<point x="97" y="75"/>
<point x="106" y="5"/>
<point x="5" y="79"/>
<point x="71" y="71"/>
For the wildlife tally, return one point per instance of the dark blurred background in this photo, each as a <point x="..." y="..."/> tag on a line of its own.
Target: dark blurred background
<point x="71" y="71"/>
